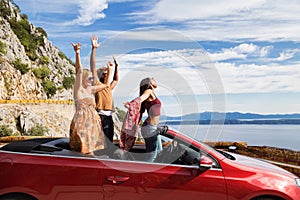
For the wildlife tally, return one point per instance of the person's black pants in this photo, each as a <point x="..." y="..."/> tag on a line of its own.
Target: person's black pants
<point x="108" y="129"/>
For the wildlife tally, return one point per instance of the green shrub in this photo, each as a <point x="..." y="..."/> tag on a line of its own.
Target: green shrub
<point x="4" y="10"/>
<point x="63" y="56"/>
<point x="5" y="131"/>
<point x="68" y="82"/>
<point x="22" y="67"/>
<point x="42" y="72"/>
<point x="60" y="88"/>
<point x="2" y="48"/>
<point x="39" y="40"/>
<point x="49" y="87"/>
<point x="71" y="71"/>
<point x="121" y="114"/>
<point x="24" y="16"/>
<point x="30" y="41"/>
<point x="32" y="55"/>
<point x="42" y="31"/>
<point x="38" y="130"/>
<point x="44" y="60"/>
<point x="17" y="8"/>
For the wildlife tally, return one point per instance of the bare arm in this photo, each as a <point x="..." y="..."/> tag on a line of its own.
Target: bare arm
<point x="143" y="97"/>
<point x="95" y="45"/>
<point x="108" y="68"/>
<point x="99" y="87"/>
<point x="146" y="94"/>
<point x="78" y="66"/>
<point x="116" y="75"/>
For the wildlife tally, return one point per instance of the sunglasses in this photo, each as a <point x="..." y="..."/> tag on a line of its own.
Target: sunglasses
<point x="90" y="78"/>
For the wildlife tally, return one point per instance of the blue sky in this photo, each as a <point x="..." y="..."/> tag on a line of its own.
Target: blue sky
<point x="212" y="55"/>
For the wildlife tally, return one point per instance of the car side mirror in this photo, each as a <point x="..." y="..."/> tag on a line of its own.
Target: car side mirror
<point x="205" y="162"/>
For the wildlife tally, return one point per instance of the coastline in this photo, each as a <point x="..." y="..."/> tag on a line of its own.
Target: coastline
<point x="235" y="121"/>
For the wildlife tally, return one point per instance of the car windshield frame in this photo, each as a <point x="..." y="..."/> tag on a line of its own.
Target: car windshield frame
<point x="207" y="148"/>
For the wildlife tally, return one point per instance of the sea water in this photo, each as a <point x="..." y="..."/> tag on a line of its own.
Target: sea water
<point x="281" y="136"/>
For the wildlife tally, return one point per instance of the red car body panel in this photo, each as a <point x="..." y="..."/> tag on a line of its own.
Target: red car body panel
<point x="163" y="182"/>
<point x="244" y="182"/>
<point x="46" y="176"/>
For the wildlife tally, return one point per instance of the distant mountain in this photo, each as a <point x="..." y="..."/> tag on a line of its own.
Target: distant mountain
<point x="231" y="115"/>
<point x="233" y="118"/>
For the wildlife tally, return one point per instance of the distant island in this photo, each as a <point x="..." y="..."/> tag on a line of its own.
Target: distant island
<point x="232" y="118"/>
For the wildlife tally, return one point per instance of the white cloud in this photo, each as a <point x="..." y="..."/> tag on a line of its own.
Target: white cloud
<point x="261" y="20"/>
<point x="241" y="51"/>
<point x="119" y="1"/>
<point x="89" y="12"/>
<point x="227" y="20"/>
<point x="177" y="78"/>
<point x="176" y="10"/>
<point x="264" y="51"/>
<point x="288" y="54"/>
<point x="246" y="48"/>
<point x="259" y="78"/>
<point x="285" y="56"/>
<point x="236" y="78"/>
<point x="226" y="54"/>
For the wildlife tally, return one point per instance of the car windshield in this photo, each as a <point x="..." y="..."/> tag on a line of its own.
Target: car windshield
<point x="209" y="148"/>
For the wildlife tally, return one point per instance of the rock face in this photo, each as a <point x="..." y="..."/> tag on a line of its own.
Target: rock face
<point x="17" y="85"/>
<point x="21" y="118"/>
<point x="29" y="72"/>
<point x="56" y="117"/>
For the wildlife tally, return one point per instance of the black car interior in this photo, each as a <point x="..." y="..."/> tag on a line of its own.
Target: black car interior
<point x="174" y="151"/>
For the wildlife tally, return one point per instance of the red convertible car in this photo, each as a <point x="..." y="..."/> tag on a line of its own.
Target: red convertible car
<point x="46" y="169"/>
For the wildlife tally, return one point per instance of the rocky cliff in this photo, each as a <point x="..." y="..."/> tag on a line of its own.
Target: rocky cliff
<point x="31" y="68"/>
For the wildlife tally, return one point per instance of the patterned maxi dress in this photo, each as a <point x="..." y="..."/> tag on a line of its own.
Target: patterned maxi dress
<point x="86" y="133"/>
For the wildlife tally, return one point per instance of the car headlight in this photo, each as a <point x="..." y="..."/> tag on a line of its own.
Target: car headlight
<point x="298" y="181"/>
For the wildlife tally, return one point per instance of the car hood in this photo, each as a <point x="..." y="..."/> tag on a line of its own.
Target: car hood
<point x="257" y="163"/>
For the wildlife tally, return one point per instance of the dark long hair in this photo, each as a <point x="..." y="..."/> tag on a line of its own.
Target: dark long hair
<point x="145" y="84"/>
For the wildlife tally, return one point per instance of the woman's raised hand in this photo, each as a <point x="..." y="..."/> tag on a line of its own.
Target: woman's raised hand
<point x="115" y="61"/>
<point x="94" y="40"/>
<point x="76" y="47"/>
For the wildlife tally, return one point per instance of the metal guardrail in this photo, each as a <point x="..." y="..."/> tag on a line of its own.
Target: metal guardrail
<point x="29" y="101"/>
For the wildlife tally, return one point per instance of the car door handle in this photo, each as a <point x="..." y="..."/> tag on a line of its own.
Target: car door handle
<point x="117" y="179"/>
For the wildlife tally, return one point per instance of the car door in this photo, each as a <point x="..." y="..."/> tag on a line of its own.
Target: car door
<point x="52" y="177"/>
<point x="142" y="180"/>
